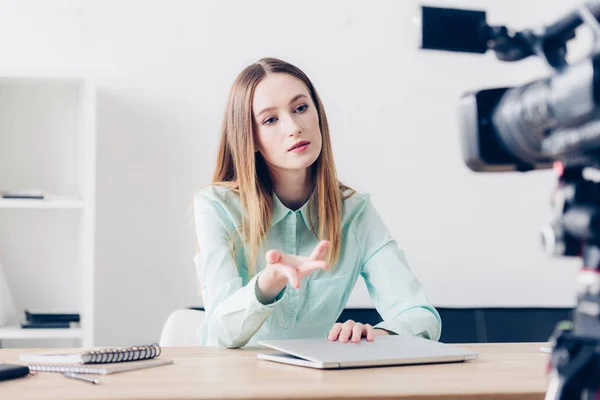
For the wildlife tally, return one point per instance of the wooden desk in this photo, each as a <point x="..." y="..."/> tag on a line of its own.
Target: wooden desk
<point x="503" y="371"/>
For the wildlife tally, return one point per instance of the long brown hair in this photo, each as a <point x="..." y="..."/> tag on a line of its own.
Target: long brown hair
<point x="243" y="170"/>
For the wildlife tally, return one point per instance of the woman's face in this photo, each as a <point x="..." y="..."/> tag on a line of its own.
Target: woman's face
<point x="287" y="131"/>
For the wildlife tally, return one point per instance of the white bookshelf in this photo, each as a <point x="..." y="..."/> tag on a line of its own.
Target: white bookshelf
<point x="52" y="203"/>
<point x="48" y="143"/>
<point x="16" y="332"/>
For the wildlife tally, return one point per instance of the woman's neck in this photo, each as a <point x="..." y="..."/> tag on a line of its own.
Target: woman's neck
<point x="293" y="188"/>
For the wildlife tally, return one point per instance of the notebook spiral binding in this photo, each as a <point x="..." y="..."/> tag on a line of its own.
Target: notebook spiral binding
<point x="113" y="355"/>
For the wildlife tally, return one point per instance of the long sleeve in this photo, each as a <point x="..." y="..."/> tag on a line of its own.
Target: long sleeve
<point x="233" y="312"/>
<point x="398" y="296"/>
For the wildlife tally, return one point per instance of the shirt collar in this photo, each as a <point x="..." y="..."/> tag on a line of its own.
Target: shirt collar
<point x="280" y="210"/>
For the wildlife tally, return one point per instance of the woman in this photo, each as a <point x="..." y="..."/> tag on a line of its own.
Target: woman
<point x="282" y="241"/>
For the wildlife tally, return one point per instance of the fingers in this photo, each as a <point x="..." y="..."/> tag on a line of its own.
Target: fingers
<point x="334" y="333"/>
<point x="290" y="273"/>
<point x="357" y="332"/>
<point x="295" y="268"/>
<point x="346" y="331"/>
<point x="351" y="331"/>
<point x="320" y="250"/>
<point x="273" y="256"/>
<point x="370" y="332"/>
<point x="309" y="266"/>
<point x="295" y="275"/>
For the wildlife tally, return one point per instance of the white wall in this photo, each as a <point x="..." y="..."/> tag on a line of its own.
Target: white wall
<point x="163" y="69"/>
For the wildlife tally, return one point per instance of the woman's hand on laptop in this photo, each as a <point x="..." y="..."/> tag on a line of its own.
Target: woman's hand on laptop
<point x="282" y="267"/>
<point x="354" y="332"/>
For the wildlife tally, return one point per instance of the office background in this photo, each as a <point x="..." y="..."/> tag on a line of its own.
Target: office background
<point x="163" y="69"/>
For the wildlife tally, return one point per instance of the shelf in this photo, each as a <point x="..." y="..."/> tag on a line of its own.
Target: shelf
<point x="16" y="332"/>
<point x="48" y="145"/>
<point x="35" y="77"/>
<point x="64" y="203"/>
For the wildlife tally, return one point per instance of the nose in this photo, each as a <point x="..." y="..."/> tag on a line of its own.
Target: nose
<point x="292" y="128"/>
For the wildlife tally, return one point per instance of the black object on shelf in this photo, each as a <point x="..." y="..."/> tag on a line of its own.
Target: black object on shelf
<point x="22" y="197"/>
<point x="49" y="317"/>
<point x="45" y="325"/>
<point x="28" y="195"/>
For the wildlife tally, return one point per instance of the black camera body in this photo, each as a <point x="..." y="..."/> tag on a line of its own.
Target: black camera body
<point x="530" y="126"/>
<point x="550" y="122"/>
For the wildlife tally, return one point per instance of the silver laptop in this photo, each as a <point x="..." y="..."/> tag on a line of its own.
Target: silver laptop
<point x="384" y="350"/>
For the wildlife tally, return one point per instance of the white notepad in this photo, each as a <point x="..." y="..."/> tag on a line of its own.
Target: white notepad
<point x="100" y="369"/>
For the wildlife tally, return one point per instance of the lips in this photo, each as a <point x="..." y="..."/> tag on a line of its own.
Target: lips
<point x="299" y="144"/>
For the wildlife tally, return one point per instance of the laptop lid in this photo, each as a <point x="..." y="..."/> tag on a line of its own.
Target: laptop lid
<point x="384" y="350"/>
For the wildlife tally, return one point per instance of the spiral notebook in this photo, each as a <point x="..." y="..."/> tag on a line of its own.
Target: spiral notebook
<point x="101" y="356"/>
<point x="100" y="369"/>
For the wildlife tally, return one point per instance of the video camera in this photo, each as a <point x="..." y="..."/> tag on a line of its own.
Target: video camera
<point x="550" y="122"/>
<point x="530" y="126"/>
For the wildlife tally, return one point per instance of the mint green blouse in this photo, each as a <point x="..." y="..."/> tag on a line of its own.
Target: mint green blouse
<point x="235" y="317"/>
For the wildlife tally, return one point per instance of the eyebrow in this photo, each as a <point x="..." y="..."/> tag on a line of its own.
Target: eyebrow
<point x="296" y="97"/>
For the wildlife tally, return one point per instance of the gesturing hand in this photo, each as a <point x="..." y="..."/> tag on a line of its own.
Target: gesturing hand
<point x="295" y="268"/>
